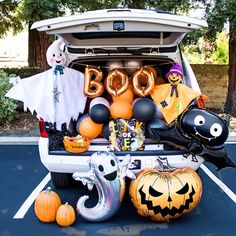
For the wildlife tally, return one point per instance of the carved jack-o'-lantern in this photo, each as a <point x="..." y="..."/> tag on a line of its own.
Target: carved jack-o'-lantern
<point x="163" y="196"/>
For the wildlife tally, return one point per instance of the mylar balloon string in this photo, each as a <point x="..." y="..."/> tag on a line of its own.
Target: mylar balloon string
<point x="122" y="67"/>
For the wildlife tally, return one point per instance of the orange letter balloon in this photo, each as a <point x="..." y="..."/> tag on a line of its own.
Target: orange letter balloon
<point x="92" y="82"/>
<point x="143" y="81"/>
<point x="117" y="82"/>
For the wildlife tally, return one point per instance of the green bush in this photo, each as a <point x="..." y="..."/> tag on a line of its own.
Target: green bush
<point x="23" y="72"/>
<point x="8" y="106"/>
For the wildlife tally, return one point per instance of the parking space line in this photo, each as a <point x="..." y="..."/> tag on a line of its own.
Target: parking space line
<point x="29" y="201"/>
<point x="225" y="188"/>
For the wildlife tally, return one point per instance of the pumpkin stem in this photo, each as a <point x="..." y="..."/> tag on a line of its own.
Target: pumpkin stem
<point x="48" y="190"/>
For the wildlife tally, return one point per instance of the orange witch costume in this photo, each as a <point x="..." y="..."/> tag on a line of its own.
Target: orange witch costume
<point x="173" y="98"/>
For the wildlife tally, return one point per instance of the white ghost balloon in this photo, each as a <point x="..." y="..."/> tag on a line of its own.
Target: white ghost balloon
<point x="107" y="174"/>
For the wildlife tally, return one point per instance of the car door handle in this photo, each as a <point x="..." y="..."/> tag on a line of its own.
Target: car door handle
<point x="90" y="27"/>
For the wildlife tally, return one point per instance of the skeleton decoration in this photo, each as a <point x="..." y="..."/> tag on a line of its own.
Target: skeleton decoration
<point x="107" y="174"/>
<point x="56" y="95"/>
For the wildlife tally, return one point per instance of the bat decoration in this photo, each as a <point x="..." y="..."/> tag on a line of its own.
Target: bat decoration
<point x="197" y="131"/>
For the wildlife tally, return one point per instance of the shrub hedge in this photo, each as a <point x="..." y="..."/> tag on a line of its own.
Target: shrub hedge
<point x="23" y="72"/>
<point x="8" y="107"/>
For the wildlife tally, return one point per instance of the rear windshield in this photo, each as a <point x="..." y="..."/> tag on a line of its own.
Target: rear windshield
<point x="136" y="34"/>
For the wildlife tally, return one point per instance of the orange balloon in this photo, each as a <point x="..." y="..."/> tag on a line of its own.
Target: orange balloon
<point x="153" y="70"/>
<point x="128" y="96"/>
<point x="90" y="129"/>
<point x="121" y="109"/>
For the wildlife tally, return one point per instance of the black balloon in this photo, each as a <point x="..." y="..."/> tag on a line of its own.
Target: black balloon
<point x="100" y="114"/>
<point x="205" y="126"/>
<point x="144" y="109"/>
<point x="159" y="130"/>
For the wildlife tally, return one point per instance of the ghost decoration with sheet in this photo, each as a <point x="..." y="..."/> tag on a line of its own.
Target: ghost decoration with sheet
<point x="56" y="95"/>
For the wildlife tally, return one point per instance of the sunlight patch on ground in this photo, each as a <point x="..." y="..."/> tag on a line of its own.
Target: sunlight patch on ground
<point x="14" y="50"/>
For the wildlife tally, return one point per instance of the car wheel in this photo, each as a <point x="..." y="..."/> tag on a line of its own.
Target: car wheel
<point x="61" y="180"/>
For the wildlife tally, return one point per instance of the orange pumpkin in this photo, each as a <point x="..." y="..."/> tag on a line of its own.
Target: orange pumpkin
<point x="65" y="215"/>
<point x="46" y="205"/>
<point x="163" y="196"/>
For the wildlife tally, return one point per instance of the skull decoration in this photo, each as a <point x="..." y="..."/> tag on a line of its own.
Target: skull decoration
<point x="163" y="196"/>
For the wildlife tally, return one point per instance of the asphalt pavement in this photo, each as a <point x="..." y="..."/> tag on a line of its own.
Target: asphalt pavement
<point x="22" y="172"/>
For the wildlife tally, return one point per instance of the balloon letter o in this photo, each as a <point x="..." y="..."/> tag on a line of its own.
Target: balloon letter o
<point x="117" y="82"/>
<point x="143" y="81"/>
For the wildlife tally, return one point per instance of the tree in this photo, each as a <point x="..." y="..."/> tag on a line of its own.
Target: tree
<point x="219" y="14"/>
<point x="38" y="42"/>
<point x="8" y="17"/>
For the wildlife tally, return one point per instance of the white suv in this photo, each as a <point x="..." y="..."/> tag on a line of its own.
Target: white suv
<point x="98" y="37"/>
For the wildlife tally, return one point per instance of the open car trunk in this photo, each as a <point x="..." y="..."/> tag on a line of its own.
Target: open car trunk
<point x="115" y="28"/>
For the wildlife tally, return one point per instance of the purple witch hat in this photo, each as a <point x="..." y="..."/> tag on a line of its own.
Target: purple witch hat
<point x="177" y="69"/>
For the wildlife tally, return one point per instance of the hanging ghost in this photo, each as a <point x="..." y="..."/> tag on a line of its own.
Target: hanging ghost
<point x="173" y="98"/>
<point x="56" y="95"/>
<point x="199" y="132"/>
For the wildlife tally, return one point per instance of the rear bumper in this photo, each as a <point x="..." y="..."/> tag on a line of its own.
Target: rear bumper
<point x="64" y="162"/>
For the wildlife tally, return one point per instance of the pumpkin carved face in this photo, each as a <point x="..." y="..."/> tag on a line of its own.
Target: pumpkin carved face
<point x="166" y="195"/>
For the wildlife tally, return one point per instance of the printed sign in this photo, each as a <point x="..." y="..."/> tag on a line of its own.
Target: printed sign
<point x="127" y="135"/>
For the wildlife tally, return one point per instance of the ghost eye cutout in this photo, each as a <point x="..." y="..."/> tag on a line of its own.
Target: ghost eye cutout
<point x="199" y="120"/>
<point x="53" y="55"/>
<point x="113" y="163"/>
<point x="216" y="130"/>
<point x="154" y="192"/>
<point x="101" y="168"/>
<point x="183" y="190"/>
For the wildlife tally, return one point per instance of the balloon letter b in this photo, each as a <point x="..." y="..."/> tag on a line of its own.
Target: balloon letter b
<point x="92" y="85"/>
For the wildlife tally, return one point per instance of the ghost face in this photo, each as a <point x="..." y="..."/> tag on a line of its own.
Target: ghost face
<point x="205" y="127"/>
<point x="55" y="56"/>
<point x="105" y="165"/>
<point x="174" y="78"/>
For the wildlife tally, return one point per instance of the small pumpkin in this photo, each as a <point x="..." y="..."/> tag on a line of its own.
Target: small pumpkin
<point x="46" y="205"/>
<point x="65" y="215"/>
<point x="163" y="196"/>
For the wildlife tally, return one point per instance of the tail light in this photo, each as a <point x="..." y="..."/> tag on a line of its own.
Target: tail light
<point x="43" y="133"/>
<point x="200" y="103"/>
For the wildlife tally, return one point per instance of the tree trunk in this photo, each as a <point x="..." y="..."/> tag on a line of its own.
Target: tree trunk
<point x="38" y="44"/>
<point x="230" y="105"/>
